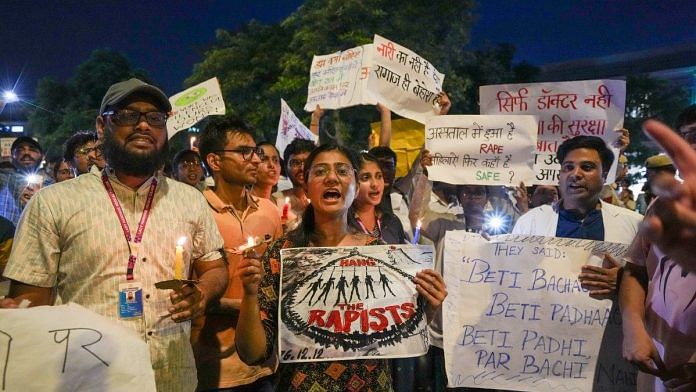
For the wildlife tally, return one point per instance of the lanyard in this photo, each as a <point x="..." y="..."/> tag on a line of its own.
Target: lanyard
<point x="133" y="244"/>
<point x="364" y="229"/>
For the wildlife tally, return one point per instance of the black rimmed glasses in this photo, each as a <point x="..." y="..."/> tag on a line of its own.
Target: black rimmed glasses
<point x="127" y="117"/>
<point x="247" y="152"/>
<point x="98" y="150"/>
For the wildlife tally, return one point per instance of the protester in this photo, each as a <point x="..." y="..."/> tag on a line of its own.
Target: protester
<point x="294" y="157"/>
<point x="81" y="151"/>
<point x="580" y="212"/>
<point x="79" y="238"/>
<point x="62" y="171"/>
<point x="233" y="159"/>
<point x="331" y="185"/>
<point x="268" y="174"/>
<point x="656" y="167"/>
<point x="659" y="283"/>
<point x="24" y="179"/>
<point x="368" y="216"/>
<point x="187" y="168"/>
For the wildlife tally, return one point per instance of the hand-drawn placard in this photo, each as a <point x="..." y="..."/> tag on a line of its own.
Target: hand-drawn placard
<point x="516" y="316"/>
<point x="564" y="110"/>
<point x="69" y="348"/>
<point x="339" y="80"/>
<point x="485" y="150"/>
<point x="290" y="128"/>
<point x="403" y="81"/>
<point x="194" y="104"/>
<point x="352" y="302"/>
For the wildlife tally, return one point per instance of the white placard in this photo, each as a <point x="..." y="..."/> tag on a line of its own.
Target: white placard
<point x="403" y="81"/>
<point x="352" y="302"/>
<point x="484" y="150"/>
<point x="339" y="80"/>
<point x="194" y="104"/>
<point x="516" y="317"/>
<point x="290" y="128"/>
<point x="563" y="110"/>
<point x="69" y="348"/>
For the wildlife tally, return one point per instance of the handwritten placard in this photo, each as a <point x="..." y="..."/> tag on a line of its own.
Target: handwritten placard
<point x="339" y="80"/>
<point x="194" y="104"/>
<point x="485" y="150"/>
<point x="516" y="316"/>
<point x="69" y="348"/>
<point x="352" y="302"/>
<point x="290" y="128"/>
<point x="403" y="81"/>
<point x="564" y="110"/>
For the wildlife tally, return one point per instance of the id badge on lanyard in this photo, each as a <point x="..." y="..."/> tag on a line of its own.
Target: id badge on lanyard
<point x="130" y="292"/>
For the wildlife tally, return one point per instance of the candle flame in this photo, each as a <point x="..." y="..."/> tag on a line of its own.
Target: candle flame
<point x="181" y="241"/>
<point x="287" y="200"/>
<point x="418" y="224"/>
<point x="251" y="242"/>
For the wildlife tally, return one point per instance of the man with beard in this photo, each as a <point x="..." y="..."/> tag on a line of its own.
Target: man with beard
<point x="105" y="235"/>
<point x="19" y="184"/>
<point x="232" y="157"/>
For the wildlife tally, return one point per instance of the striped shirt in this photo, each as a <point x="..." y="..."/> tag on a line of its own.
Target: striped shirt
<point x="70" y="237"/>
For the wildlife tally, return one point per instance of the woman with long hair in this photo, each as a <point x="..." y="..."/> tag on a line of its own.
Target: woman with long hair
<point x="369" y="218"/>
<point x="331" y="182"/>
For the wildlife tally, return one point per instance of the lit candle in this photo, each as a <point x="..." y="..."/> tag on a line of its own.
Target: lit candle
<point x="416" y="236"/>
<point x="192" y="142"/>
<point x="286" y="208"/>
<point x="251" y="242"/>
<point x="179" y="259"/>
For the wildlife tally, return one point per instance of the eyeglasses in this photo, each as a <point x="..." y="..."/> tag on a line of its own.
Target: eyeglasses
<point x="86" y="150"/>
<point x="296" y="163"/>
<point x="342" y="170"/>
<point x="247" y="152"/>
<point x="127" y="117"/>
<point x="190" y="164"/>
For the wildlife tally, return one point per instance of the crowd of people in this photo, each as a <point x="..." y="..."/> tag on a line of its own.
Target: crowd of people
<point x="102" y="220"/>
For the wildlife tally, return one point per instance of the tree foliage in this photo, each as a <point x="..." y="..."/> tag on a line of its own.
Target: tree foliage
<point x="65" y="108"/>
<point x="259" y="64"/>
<point x="648" y="97"/>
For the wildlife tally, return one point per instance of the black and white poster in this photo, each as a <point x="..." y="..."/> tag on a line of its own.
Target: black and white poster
<point x="352" y="302"/>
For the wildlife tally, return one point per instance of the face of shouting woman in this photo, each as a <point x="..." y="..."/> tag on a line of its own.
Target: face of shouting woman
<point x="370" y="184"/>
<point x="331" y="183"/>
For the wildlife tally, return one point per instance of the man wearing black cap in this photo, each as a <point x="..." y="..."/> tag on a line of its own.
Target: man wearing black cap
<point x="113" y="234"/>
<point x="18" y="186"/>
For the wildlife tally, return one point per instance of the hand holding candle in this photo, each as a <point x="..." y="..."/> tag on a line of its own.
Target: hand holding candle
<point x="179" y="259"/>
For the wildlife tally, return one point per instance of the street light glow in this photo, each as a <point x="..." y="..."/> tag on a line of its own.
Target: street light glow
<point x="10" y="96"/>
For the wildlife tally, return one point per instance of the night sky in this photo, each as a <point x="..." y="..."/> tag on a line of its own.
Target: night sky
<point x="166" y="38"/>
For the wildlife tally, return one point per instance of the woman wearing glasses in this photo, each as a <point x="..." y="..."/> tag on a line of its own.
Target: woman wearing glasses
<point x="331" y="186"/>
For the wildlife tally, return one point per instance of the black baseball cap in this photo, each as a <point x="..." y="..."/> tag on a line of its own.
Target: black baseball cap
<point x="27" y="140"/>
<point x="122" y="90"/>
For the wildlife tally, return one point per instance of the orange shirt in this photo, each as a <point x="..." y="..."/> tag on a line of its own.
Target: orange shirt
<point x="212" y="335"/>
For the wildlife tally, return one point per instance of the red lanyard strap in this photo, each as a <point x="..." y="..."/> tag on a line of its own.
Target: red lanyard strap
<point x="124" y="223"/>
<point x="364" y="229"/>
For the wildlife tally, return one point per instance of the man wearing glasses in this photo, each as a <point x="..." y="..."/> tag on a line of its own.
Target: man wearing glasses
<point x="188" y="168"/>
<point x="82" y="152"/>
<point x="228" y="149"/>
<point x="106" y="235"/>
